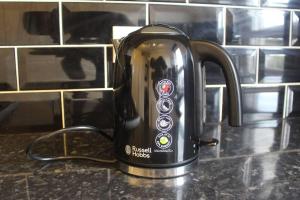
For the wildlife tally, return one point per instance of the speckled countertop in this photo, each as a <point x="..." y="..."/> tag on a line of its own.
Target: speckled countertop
<point x="258" y="161"/>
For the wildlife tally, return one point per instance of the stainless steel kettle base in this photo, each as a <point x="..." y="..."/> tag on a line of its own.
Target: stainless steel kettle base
<point x="157" y="172"/>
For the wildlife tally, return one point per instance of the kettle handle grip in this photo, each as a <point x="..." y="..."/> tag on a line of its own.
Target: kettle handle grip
<point x="208" y="51"/>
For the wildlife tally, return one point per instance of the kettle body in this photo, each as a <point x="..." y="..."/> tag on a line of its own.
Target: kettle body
<point x="159" y="100"/>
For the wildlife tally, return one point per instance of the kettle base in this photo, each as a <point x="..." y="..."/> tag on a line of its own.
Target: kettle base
<point x="157" y="172"/>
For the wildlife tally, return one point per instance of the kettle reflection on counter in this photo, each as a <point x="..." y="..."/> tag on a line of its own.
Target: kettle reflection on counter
<point x="159" y="100"/>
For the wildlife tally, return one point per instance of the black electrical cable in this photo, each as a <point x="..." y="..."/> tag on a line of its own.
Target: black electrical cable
<point x="84" y="129"/>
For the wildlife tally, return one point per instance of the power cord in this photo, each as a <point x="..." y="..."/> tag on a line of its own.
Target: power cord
<point x="85" y="129"/>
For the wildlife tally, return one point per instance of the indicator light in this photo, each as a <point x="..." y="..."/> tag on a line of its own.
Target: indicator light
<point x="163" y="140"/>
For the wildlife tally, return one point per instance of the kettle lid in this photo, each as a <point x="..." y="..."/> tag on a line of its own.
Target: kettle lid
<point x="160" y="29"/>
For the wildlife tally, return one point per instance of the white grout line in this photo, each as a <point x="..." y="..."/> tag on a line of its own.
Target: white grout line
<point x="206" y="5"/>
<point x="187" y="1"/>
<point x="147" y="14"/>
<point x="46" y="1"/>
<point x="65" y="144"/>
<point x="263" y="47"/>
<point x="257" y="66"/>
<point x="285" y="102"/>
<point x="159" y="3"/>
<point x="103" y="1"/>
<point x="257" y="85"/>
<point x="289" y="101"/>
<point x="237" y="46"/>
<point x="285" y="137"/>
<point x="60" y="16"/>
<point x="110" y="45"/>
<point x="221" y="104"/>
<point x="105" y="68"/>
<point x="17" y="69"/>
<point x="291" y="29"/>
<point x="224" y="25"/>
<point x="54" y="46"/>
<point x="270" y="84"/>
<point x="63" y="122"/>
<point x="260" y="85"/>
<point x="56" y="90"/>
<point x="62" y="109"/>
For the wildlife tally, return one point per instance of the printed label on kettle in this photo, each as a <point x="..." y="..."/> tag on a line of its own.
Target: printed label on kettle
<point x="138" y="152"/>
<point x="163" y="140"/>
<point x="165" y="87"/>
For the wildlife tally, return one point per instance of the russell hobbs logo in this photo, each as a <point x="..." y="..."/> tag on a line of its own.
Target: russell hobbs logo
<point x="128" y="149"/>
<point x="138" y="152"/>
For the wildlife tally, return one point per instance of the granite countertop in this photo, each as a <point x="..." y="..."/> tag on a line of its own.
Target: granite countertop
<point x="256" y="161"/>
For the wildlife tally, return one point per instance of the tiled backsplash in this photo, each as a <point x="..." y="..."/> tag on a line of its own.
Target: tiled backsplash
<point x="56" y="57"/>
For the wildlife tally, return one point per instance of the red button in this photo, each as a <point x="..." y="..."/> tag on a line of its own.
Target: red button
<point x="166" y="88"/>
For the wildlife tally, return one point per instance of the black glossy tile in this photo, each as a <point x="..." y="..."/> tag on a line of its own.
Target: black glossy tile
<point x="92" y="22"/>
<point x="257" y="27"/>
<point x="279" y="66"/>
<point x="13" y="187"/>
<point x="89" y="108"/>
<point x="293" y="106"/>
<point x="229" y="2"/>
<point x="245" y="61"/>
<point x="29" y="112"/>
<point x="81" y="184"/>
<point x="8" y="80"/>
<point x="197" y="22"/>
<point x="281" y="3"/>
<point x="296" y="29"/>
<point x="212" y="104"/>
<point x="259" y="103"/>
<point x="55" y="68"/>
<point x="28" y="23"/>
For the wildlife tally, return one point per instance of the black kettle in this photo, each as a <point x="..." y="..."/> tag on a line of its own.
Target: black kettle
<point x="159" y="100"/>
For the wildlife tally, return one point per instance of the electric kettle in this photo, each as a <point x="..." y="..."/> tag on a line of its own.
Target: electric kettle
<point x="159" y="95"/>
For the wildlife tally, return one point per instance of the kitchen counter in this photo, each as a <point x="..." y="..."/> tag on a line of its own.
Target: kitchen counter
<point x="256" y="161"/>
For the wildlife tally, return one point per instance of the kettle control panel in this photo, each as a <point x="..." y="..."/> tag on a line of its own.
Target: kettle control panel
<point x="164" y="106"/>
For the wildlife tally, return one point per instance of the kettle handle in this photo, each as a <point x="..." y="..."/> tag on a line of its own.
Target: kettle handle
<point x="208" y="51"/>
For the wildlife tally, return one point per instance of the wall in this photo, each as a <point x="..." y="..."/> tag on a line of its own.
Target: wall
<point x="56" y="69"/>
